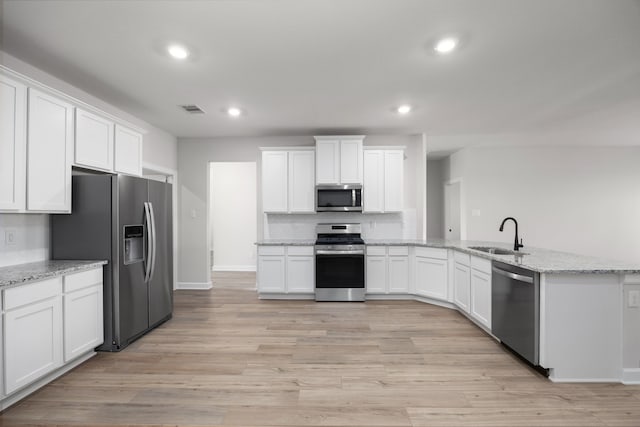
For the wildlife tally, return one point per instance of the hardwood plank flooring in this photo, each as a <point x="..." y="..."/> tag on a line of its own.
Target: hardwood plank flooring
<point x="229" y="359"/>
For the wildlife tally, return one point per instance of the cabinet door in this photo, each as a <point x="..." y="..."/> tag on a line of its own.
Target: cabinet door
<point x="301" y="181"/>
<point x="398" y="274"/>
<point x="393" y="180"/>
<point x="462" y="285"/>
<point x="328" y="161"/>
<point x="32" y="342"/>
<point x="431" y="277"/>
<point x="49" y="153"/>
<point x="373" y="185"/>
<point x="271" y="277"/>
<point x="274" y="181"/>
<point x="300" y="277"/>
<point x="13" y="144"/>
<point x="481" y="297"/>
<point x="94" y="141"/>
<point x="128" y="151"/>
<point x="376" y="274"/>
<point x="83" y="329"/>
<point x="351" y="161"/>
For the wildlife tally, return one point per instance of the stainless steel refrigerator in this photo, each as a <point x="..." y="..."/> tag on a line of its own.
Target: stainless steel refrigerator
<point x="127" y="221"/>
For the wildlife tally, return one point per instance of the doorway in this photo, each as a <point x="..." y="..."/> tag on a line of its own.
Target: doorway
<point x="453" y="218"/>
<point x="232" y="216"/>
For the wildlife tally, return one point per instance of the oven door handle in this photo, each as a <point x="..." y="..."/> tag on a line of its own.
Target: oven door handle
<point x="325" y="252"/>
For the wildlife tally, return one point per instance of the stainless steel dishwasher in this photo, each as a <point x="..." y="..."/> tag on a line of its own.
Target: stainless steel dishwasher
<point x="515" y="309"/>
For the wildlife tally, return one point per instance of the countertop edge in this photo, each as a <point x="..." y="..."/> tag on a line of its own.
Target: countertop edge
<point x="69" y="266"/>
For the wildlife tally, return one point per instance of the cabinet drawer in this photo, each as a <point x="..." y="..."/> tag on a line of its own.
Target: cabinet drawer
<point x="481" y="264"/>
<point x="300" y="250"/>
<point x="462" y="258"/>
<point x="84" y="279"/>
<point x="376" y="250"/>
<point x="398" y="250"/>
<point x="34" y="292"/>
<point x="436" y="253"/>
<point x="271" y="250"/>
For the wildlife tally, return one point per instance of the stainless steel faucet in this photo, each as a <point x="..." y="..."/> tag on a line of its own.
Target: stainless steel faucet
<point x="516" y="245"/>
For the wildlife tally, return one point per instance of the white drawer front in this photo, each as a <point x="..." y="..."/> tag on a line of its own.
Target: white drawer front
<point x="398" y="250"/>
<point x="300" y="250"/>
<point x="84" y="279"/>
<point x="271" y="250"/>
<point x="481" y="264"/>
<point x="33" y="292"/>
<point x="376" y="250"/>
<point x="437" y="253"/>
<point x="462" y="258"/>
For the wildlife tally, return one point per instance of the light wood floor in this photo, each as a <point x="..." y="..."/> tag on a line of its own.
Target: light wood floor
<point x="227" y="358"/>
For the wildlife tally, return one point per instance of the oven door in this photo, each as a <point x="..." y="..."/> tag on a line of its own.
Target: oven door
<point x="339" y="269"/>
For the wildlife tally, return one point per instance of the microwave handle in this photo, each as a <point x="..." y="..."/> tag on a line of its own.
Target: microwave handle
<point x="353" y="197"/>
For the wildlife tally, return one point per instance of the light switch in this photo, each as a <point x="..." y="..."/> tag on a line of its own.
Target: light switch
<point x="475" y="212"/>
<point x="193" y="213"/>
<point x="10" y="237"/>
<point x="634" y="299"/>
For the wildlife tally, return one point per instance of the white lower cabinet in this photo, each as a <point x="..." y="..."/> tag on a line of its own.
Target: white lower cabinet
<point x="462" y="282"/>
<point x="387" y="270"/>
<point x="481" y="291"/>
<point x="286" y="269"/>
<point x="33" y="332"/>
<point x="431" y="273"/>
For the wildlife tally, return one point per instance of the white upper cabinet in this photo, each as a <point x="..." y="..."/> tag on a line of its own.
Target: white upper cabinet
<point x="274" y="181"/>
<point x="301" y="179"/>
<point x="383" y="180"/>
<point x="94" y="141"/>
<point x="339" y="159"/>
<point x="49" y="153"/>
<point x="128" y="151"/>
<point x="288" y="181"/>
<point x="13" y="144"/>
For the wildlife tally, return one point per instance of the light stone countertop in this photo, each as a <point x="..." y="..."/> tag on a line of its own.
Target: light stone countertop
<point x="286" y="242"/>
<point x="536" y="259"/>
<point x="20" y="274"/>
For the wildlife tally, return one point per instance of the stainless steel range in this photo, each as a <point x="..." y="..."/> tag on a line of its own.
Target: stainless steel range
<point x="339" y="263"/>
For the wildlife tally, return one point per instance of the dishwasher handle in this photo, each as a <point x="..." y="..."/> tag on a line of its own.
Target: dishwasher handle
<point x="514" y="276"/>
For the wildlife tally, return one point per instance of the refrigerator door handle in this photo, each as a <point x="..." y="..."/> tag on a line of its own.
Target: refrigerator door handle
<point x="149" y="245"/>
<point x="153" y="239"/>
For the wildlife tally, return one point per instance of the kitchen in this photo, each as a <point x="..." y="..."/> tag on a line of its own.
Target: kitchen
<point x="541" y="153"/>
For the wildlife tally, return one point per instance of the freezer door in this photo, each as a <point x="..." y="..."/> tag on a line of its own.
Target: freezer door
<point x="161" y="284"/>
<point x="132" y="294"/>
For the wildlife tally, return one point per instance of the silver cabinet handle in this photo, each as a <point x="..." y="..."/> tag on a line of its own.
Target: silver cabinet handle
<point x="514" y="276"/>
<point x="149" y="245"/>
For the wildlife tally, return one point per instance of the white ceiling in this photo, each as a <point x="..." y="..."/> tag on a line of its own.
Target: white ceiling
<point x="320" y="66"/>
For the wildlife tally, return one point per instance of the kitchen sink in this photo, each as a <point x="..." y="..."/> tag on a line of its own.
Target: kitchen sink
<point x="496" y="251"/>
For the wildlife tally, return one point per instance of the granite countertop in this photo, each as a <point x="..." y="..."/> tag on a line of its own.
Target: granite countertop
<point x="286" y="242"/>
<point x="15" y="275"/>
<point x="536" y="259"/>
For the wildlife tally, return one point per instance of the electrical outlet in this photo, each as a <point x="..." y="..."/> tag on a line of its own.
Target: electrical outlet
<point x="633" y="299"/>
<point x="10" y="237"/>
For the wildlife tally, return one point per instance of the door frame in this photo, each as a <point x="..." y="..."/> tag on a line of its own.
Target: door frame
<point x="461" y="204"/>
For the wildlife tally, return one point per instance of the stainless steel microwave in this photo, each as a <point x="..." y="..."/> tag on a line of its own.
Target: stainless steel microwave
<point x="339" y="198"/>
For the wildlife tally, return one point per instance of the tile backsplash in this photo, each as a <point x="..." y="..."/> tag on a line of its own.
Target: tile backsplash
<point x="30" y="241"/>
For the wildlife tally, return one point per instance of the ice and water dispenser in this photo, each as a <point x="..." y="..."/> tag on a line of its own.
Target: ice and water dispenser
<point x="133" y="244"/>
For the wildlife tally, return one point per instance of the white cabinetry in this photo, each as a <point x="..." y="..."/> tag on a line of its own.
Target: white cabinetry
<point x="339" y="159"/>
<point x="33" y="332"/>
<point x="49" y="153"/>
<point x="83" y="324"/>
<point x="431" y="273"/>
<point x="288" y="181"/>
<point x="481" y="291"/>
<point x="462" y="281"/>
<point x="128" y="151"/>
<point x="383" y="180"/>
<point x="13" y="144"/>
<point x="286" y="269"/>
<point x="387" y="270"/>
<point x="94" y="141"/>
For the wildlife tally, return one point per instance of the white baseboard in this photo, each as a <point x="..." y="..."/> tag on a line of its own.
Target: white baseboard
<point x="631" y="376"/>
<point x="193" y="286"/>
<point x="388" y="297"/>
<point x="233" y="268"/>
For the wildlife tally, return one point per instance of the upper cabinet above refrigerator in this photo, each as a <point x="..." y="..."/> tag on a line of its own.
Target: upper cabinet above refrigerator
<point x="339" y="159"/>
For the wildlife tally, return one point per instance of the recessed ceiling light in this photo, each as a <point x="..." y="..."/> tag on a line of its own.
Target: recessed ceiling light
<point x="446" y="45"/>
<point x="404" y="109"/>
<point x="177" y="51"/>
<point x="234" y="111"/>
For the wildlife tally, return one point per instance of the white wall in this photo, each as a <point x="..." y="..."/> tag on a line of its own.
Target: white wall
<point x="435" y="198"/>
<point x="233" y="215"/>
<point x="31" y="241"/>
<point x="584" y="200"/>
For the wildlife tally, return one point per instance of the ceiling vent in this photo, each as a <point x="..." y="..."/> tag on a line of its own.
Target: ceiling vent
<point x="192" y="109"/>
